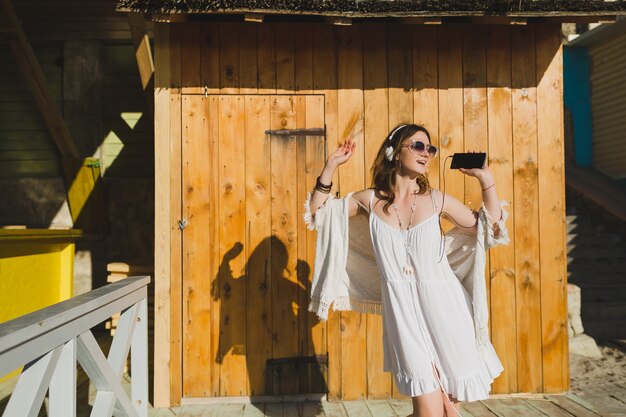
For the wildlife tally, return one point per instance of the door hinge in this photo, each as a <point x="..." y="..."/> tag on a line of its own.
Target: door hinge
<point x="182" y="224"/>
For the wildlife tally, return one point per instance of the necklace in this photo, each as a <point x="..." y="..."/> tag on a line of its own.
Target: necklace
<point x="407" y="269"/>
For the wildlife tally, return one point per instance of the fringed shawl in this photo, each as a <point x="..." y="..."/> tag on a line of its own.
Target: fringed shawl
<point x="346" y="277"/>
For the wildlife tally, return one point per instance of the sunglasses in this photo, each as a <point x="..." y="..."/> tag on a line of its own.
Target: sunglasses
<point x="417" y="146"/>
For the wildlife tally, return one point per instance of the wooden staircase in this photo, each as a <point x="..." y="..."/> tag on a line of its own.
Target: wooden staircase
<point x="596" y="258"/>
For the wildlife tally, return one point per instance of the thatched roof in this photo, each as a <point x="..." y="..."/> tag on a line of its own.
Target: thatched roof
<point x="382" y="8"/>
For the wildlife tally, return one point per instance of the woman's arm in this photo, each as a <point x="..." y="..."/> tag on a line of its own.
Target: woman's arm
<point x="488" y="187"/>
<point x="462" y="215"/>
<point x="339" y="157"/>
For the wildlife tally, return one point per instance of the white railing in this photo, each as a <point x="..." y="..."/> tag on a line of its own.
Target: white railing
<point x="49" y="342"/>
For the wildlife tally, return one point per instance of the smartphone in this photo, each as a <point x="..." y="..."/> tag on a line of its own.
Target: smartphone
<point x="468" y="160"/>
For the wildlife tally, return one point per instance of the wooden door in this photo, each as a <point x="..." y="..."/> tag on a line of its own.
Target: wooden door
<point x="247" y="257"/>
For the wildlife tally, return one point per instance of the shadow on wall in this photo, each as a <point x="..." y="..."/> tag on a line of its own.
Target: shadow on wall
<point x="253" y="322"/>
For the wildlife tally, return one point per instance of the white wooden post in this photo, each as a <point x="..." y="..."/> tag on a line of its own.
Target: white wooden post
<point x="62" y="393"/>
<point x="31" y="388"/>
<point x="139" y="360"/>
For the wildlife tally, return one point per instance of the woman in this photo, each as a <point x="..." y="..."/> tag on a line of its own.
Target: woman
<point x="430" y="342"/>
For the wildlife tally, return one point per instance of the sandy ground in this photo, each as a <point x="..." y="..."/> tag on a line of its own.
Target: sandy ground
<point x="609" y="369"/>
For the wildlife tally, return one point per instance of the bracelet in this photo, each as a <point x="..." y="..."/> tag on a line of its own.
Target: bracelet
<point x="323" y="188"/>
<point x="485" y="189"/>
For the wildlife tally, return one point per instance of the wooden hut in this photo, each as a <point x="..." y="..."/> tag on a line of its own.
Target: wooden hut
<point x="251" y="96"/>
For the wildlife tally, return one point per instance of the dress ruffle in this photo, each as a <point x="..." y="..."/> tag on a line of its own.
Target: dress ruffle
<point x="469" y="388"/>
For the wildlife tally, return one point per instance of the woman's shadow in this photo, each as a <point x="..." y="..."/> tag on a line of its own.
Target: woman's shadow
<point x="260" y="317"/>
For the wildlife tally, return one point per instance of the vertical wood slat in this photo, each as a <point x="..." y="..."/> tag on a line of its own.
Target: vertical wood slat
<point x="474" y="105"/>
<point x="450" y="76"/>
<point x="266" y="59"/>
<point x="351" y="178"/>
<point x="214" y="249"/>
<point x="555" y="353"/>
<point x="229" y="57"/>
<point x="318" y="336"/>
<point x="325" y="82"/>
<point x="162" y="220"/>
<point x="232" y="287"/>
<point x="258" y="232"/>
<point x="303" y="60"/>
<point x="284" y="241"/>
<point x="247" y="58"/>
<point x="176" y="270"/>
<point x="502" y="258"/>
<point x="302" y="269"/>
<point x="210" y="58"/>
<point x="285" y="73"/>
<point x="526" y="225"/>
<point x="376" y="128"/>
<point x="196" y="314"/>
<point x="190" y="58"/>
<point x="425" y="79"/>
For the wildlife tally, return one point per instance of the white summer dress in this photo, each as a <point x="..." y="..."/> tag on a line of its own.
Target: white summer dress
<point x="427" y="316"/>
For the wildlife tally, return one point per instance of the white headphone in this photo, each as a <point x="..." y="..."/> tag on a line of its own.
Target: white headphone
<point x="389" y="149"/>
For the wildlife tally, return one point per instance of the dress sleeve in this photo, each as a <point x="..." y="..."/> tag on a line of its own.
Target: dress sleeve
<point x="315" y="222"/>
<point x="496" y="234"/>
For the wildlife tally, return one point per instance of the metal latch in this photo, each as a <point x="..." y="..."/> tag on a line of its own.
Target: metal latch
<point x="182" y="224"/>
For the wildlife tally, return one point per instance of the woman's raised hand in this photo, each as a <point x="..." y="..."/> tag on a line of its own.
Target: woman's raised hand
<point x="343" y="153"/>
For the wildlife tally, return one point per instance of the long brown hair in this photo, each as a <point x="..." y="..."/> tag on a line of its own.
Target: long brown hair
<point x="384" y="171"/>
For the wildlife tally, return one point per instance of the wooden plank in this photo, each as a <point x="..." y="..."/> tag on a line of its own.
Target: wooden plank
<point x="502" y="266"/>
<point x="571" y="406"/>
<point x="325" y="82"/>
<point x="602" y="404"/>
<point x="210" y="57"/>
<point x="548" y="408"/>
<point x="291" y="409"/>
<point x="175" y="254"/>
<point x="352" y="178"/>
<point x="357" y="409"/>
<point x="552" y="250"/>
<point x="190" y="57"/>
<point x="425" y="79"/>
<point x="143" y="56"/>
<point x="232" y="237"/>
<point x="512" y="407"/>
<point x="334" y="409"/>
<point x="450" y="77"/>
<point x="162" y="209"/>
<point x="254" y="410"/>
<point x="526" y="225"/>
<point x="34" y="77"/>
<point x="318" y="330"/>
<point x="400" y="73"/>
<point x="303" y="270"/>
<point x="258" y="225"/>
<point x="474" y="105"/>
<point x="476" y="409"/>
<point x="229" y="58"/>
<point x="266" y="59"/>
<point x="198" y="208"/>
<point x="273" y="409"/>
<point x="247" y="59"/>
<point x="380" y="408"/>
<point x="402" y="407"/>
<point x="214" y="233"/>
<point x="285" y="73"/>
<point x="303" y="59"/>
<point x="284" y="241"/>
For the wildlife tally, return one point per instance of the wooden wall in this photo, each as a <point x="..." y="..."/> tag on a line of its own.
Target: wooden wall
<point x="497" y="88"/>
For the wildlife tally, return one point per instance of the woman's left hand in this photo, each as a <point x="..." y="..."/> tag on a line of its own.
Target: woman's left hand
<point x="480" y="173"/>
